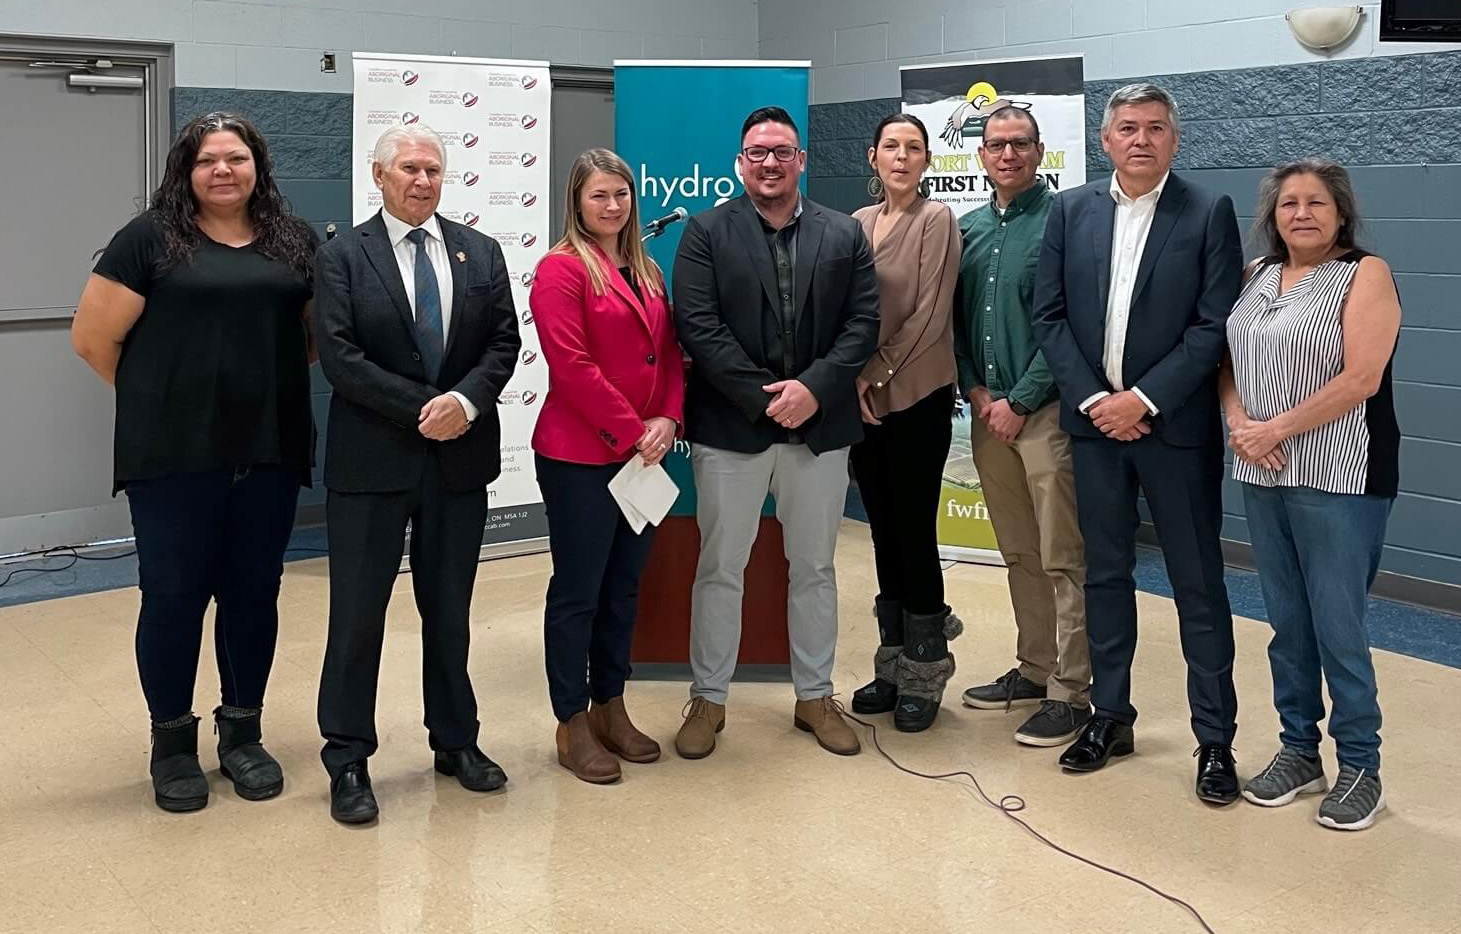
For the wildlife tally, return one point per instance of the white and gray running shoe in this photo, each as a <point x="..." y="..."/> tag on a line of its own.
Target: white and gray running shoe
<point x="1355" y="802"/>
<point x="1287" y="776"/>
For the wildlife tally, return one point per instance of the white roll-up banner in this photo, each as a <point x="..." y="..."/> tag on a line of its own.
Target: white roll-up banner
<point x="493" y="116"/>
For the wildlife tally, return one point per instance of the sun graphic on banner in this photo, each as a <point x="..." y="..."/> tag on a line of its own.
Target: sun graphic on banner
<point x="968" y="118"/>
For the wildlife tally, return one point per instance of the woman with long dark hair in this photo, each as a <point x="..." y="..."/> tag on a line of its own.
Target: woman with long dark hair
<point x="907" y="397"/>
<point x="197" y="312"/>
<point x="616" y="391"/>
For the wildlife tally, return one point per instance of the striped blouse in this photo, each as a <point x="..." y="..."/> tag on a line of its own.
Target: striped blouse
<point x="1287" y="347"/>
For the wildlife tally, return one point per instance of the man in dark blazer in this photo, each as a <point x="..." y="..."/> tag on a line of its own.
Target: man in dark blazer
<point x="417" y="336"/>
<point x="1137" y="275"/>
<point x="776" y="303"/>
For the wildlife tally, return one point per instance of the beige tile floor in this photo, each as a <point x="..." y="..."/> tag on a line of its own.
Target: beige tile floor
<point x="770" y="834"/>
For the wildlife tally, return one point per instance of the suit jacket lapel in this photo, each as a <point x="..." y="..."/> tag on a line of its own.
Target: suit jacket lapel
<point x="1169" y="207"/>
<point x="753" y="238"/>
<point x="1105" y="223"/>
<point x="622" y="289"/>
<point x="808" y="244"/>
<point x="461" y="274"/>
<point x="377" y="246"/>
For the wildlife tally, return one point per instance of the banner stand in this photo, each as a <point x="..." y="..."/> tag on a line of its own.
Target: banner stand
<point x="954" y="100"/>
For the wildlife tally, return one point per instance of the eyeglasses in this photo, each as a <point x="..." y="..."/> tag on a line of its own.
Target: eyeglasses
<point x="759" y="153"/>
<point x="1020" y="144"/>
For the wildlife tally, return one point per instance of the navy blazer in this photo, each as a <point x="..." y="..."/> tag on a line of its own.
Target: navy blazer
<point x="1189" y="277"/>
<point x="367" y="340"/>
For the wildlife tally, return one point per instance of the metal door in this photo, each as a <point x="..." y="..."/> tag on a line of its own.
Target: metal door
<point x="78" y="163"/>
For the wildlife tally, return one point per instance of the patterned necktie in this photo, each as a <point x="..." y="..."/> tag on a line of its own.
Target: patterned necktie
<point x="428" y="308"/>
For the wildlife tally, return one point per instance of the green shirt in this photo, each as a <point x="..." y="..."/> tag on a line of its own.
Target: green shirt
<point x="993" y="341"/>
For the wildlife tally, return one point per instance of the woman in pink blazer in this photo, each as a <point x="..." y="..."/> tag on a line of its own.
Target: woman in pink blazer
<point x="615" y="391"/>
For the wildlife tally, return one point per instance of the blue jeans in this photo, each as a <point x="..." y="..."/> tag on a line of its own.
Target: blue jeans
<point x="1317" y="554"/>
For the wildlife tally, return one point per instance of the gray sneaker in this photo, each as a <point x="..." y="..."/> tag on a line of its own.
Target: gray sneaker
<point x="1287" y="776"/>
<point x="1054" y="724"/>
<point x="1009" y="690"/>
<point x="1355" y="802"/>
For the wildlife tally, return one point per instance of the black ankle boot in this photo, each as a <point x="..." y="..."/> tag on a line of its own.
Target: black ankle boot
<point x="881" y="694"/>
<point x="255" y="774"/>
<point x="178" y="782"/>
<point x="924" y="668"/>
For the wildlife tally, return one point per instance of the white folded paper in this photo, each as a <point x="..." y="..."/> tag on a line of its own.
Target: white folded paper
<point x="644" y="494"/>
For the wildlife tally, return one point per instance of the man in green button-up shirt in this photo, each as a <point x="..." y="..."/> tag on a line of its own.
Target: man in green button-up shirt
<point x="1022" y="456"/>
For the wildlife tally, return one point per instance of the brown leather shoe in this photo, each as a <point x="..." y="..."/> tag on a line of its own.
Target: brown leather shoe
<point x="703" y="719"/>
<point x="611" y="725"/>
<point x="580" y="752"/>
<point x="823" y="719"/>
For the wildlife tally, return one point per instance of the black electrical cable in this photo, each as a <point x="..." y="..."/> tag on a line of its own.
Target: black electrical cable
<point x="62" y="551"/>
<point x="1009" y="806"/>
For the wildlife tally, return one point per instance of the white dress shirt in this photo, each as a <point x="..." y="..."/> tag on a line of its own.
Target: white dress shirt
<point x="1128" y="243"/>
<point x="396" y="230"/>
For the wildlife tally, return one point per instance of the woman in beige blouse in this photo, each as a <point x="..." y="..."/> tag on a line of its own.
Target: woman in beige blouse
<point x="907" y="396"/>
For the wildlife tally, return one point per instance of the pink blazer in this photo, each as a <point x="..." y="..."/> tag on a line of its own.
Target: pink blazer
<point x="613" y="362"/>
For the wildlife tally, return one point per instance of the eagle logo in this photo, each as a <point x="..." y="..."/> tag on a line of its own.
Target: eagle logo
<point x="969" y="117"/>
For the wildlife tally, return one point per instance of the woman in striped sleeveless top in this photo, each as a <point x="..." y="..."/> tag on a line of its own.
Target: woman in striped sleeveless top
<point x="1306" y="391"/>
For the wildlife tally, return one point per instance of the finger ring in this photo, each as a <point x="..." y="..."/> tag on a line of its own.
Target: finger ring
<point x="661" y="447"/>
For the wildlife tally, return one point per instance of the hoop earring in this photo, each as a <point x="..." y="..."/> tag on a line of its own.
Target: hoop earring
<point x="875" y="187"/>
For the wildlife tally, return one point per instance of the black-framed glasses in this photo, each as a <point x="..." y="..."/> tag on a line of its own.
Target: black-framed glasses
<point x="1020" y="144"/>
<point x="759" y="153"/>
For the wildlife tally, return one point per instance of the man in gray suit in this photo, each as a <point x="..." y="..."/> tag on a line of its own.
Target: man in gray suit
<point x="777" y="305"/>
<point x="418" y="336"/>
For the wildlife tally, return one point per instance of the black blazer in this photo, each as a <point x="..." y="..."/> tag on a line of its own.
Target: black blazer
<point x="367" y="341"/>
<point x="1189" y="277"/>
<point x="723" y="275"/>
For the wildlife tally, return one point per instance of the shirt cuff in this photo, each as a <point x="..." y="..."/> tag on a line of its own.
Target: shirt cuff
<point x="1142" y="396"/>
<point x="1085" y="407"/>
<point x="467" y="405"/>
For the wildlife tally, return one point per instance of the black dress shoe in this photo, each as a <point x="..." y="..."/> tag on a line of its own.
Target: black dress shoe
<point x="351" y="800"/>
<point x="1099" y="741"/>
<point x="474" y="770"/>
<point x="1217" y="776"/>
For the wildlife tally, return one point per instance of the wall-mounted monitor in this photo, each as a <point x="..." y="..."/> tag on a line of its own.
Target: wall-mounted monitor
<point x="1420" y="20"/>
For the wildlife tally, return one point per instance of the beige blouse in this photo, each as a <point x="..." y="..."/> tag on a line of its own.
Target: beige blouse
<point x="917" y="266"/>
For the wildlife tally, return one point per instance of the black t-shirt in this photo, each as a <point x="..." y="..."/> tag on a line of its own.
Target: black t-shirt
<point x="214" y="374"/>
<point x="628" y="275"/>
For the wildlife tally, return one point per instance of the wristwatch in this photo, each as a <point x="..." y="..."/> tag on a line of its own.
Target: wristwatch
<point x="1018" y="409"/>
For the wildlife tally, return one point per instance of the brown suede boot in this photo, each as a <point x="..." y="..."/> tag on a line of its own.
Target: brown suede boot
<point x="612" y="727"/>
<point x="703" y="719"/>
<point x="580" y="752"/>
<point x="823" y="719"/>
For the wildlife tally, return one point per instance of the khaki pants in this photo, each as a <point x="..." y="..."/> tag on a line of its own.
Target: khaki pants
<point x="1029" y="487"/>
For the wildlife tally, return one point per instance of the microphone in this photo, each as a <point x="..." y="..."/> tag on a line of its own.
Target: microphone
<point x="329" y="231"/>
<point x="660" y="223"/>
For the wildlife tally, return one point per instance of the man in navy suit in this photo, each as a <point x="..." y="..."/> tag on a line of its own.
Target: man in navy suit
<point x="1136" y="278"/>
<point x="418" y="336"/>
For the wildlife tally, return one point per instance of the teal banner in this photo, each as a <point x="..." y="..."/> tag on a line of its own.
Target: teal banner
<point x="679" y="128"/>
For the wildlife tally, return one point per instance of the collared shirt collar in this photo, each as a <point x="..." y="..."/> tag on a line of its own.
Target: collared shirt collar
<point x="396" y="229"/>
<point x="1125" y="200"/>
<point x="1022" y="201"/>
<point x="795" y="215"/>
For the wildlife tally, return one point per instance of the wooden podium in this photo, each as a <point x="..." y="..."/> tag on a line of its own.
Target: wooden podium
<point x="661" y="649"/>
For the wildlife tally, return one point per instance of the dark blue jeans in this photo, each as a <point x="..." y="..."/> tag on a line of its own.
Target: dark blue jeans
<point x="593" y="596"/>
<point x="215" y="535"/>
<point x="1317" y="554"/>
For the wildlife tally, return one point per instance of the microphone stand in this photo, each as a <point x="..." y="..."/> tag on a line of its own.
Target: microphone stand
<point x="650" y="232"/>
